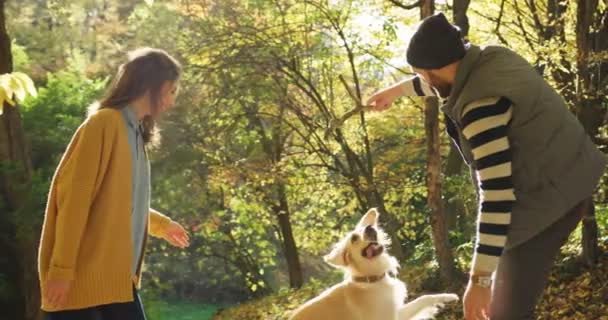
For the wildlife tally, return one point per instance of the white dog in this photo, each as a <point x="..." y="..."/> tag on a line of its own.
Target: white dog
<point x="369" y="291"/>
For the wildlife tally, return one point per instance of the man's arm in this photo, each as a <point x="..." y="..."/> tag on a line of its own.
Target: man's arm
<point x="410" y="87"/>
<point x="485" y="124"/>
<point x="415" y="86"/>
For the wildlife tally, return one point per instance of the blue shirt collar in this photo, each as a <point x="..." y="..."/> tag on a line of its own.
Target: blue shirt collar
<point x="131" y="117"/>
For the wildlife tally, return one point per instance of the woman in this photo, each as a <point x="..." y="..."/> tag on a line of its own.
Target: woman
<point x="98" y="213"/>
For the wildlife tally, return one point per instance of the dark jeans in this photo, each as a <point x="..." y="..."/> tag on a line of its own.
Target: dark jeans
<point x="523" y="271"/>
<point x="116" y="311"/>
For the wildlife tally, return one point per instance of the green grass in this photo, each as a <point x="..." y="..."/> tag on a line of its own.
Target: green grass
<point x="181" y="311"/>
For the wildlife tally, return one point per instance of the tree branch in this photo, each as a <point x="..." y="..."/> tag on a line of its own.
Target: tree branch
<point x="406" y="6"/>
<point x="520" y="23"/>
<point x="359" y="106"/>
<point x="499" y="22"/>
<point x="539" y="26"/>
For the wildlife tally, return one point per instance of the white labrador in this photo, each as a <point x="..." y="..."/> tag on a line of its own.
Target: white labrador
<point x="369" y="291"/>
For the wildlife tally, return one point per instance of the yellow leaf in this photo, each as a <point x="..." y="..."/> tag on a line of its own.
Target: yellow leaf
<point x="18" y="89"/>
<point x="6" y="98"/>
<point x="2" y="96"/>
<point x="5" y="85"/>
<point x="27" y="83"/>
<point x="10" y="101"/>
<point x="149" y="2"/>
<point x="17" y="84"/>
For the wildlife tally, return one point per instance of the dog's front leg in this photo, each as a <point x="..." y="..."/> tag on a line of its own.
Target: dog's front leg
<point x="425" y="307"/>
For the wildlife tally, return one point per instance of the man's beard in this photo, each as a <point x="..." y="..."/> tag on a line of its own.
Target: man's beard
<point x="441" y="86"/>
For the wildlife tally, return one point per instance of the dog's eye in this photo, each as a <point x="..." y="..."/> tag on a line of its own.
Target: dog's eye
<point x="354" y="238"/>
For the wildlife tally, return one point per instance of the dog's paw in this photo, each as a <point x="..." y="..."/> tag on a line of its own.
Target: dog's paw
<point x="446" y="297"/>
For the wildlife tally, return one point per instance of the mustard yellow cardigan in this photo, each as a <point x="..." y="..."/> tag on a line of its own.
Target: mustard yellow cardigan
<point x="86" y="236"/>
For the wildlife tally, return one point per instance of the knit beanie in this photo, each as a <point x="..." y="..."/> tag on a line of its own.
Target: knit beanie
<point x="435" y="44"/>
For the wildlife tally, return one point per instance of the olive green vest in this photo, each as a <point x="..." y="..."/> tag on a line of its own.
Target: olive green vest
<point x="555" y="164"/>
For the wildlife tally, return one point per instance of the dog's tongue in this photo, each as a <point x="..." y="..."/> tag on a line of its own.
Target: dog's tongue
<point x="370" y="251"/>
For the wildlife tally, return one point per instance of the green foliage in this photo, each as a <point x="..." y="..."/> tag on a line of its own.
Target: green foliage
<point x="187" y="311"/>
<point x="51" y="119"/>
<point x="49" y="123"/>
<point x="153" y="303"/>
<point x="21" y="61"/>
<point x="52" y="31"/>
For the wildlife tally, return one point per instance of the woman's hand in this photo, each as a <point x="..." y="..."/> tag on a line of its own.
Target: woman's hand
<point x="176" y="235"/>
<point x="57" y="292"/>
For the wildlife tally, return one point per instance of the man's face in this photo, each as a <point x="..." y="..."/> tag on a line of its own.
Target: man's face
<point x="431" y="77"/>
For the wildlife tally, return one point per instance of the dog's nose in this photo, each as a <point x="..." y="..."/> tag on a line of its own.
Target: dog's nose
<point x="370" y="233"/>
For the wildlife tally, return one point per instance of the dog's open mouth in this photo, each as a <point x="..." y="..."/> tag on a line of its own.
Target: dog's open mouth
<point x="373" y="250"/>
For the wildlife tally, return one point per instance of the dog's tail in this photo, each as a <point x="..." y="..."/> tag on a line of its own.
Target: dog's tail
<point x="425" y="307"/>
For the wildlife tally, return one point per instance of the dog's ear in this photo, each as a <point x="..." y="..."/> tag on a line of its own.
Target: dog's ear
<point x="370" y="218"/>
<point x="337" y="257"/>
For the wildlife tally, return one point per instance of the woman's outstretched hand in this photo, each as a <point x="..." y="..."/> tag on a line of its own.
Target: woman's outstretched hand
<point x="176" y="235"/>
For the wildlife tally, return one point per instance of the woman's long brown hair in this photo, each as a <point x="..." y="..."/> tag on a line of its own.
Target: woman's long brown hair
<point x="146" y="70"/>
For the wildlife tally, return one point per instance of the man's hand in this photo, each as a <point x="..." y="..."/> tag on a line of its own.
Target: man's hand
<point x="383" y="99"/>
<point x="176" y="235"/>
<point x="476" y="302"/>
<point x="57" y="292"/>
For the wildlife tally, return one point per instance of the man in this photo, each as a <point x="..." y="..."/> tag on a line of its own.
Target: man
<point x="535" y="165"/>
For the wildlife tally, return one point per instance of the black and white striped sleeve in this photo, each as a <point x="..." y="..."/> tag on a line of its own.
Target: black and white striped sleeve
<point x="415" y="86"/>
<point x="485" y="124"/>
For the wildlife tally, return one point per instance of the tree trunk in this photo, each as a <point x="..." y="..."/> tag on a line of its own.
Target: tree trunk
<point x="590" y="235"/>
<point x="588" y="108"/>
<point x="14" y="185"/>
<point x="454" y="208"/>
<point x="588" y="116"/>
<point x="289" y="243"/>
<point x="272" y="144"/>
<point x="459" y="11"/>
<point x="453" y="203"/>
<point x="447" y="267"/>
<point x="427" y="8"/>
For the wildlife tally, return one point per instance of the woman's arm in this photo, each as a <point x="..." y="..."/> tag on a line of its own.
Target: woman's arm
<point x="162" y="226"/>
<point x="158" y="223"/>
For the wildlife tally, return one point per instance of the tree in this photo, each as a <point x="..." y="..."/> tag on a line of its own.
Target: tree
<point x="454" y="205"/>
<point x="15" y="176"/>
<point x="447" y="267"/>
<point x="439" y="230"/>
<point x="592" y="45"/>
<point x="273" y="136"/>
<point x="311" y="96"/>
<point x="47" y="29"/>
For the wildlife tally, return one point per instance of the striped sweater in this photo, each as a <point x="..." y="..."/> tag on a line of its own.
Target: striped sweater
<point x="484" y="125"/>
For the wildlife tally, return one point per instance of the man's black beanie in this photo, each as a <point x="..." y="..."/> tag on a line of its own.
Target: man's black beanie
<point x="435" y="44"/>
